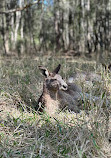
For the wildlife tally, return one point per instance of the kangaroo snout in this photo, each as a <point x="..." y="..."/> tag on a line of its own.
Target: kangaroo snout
<point x="64" y="87"/>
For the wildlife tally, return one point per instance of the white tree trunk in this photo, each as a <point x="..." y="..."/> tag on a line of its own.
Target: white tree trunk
<point x="18" y="16"/>
<point x="66" y="25"/>
<point x="12" y="27"/>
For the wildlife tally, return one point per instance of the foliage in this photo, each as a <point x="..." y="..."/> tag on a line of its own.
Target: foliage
<point x="81" y="26"/>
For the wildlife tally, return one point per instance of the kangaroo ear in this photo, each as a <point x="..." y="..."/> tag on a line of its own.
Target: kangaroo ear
<point x="44" y="71"/>
<point x="56" y="70"/>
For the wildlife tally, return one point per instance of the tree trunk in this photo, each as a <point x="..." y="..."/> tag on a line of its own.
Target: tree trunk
<point x="5" y="35"/>
<point x="66" y="27"/>
<point x="17" y="23"/>
<point x="57" y="23"/>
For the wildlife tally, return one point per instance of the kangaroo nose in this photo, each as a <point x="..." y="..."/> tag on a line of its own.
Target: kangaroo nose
<point x="65" y="87"/>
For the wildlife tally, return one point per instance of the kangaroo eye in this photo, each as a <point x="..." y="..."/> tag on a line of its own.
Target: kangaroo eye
<point x="53" y="80"/>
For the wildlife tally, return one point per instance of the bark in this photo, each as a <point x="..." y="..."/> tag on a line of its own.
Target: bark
<point x="5" y="35"/>
<point x="66" y="27"/>
<point x="57" y="25"/>
<point x="18" y="16"/>
<point x="22" y="34"/>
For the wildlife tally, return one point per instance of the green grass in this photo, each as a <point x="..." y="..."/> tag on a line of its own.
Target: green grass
<point x="26" y="134"/>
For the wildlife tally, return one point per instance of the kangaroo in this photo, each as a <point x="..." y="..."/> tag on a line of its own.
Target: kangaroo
<point x="57" y="94"/>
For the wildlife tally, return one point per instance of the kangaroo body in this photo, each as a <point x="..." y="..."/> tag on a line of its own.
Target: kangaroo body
<point x="57" y="94"/>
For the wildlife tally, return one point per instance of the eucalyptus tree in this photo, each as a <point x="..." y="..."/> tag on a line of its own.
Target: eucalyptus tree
<point x="82" y="26"/>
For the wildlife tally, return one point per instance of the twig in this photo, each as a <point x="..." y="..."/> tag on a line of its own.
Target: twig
<point x="19" y="9"/>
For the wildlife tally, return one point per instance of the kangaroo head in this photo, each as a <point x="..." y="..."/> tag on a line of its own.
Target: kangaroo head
<point x="53" y="80"/>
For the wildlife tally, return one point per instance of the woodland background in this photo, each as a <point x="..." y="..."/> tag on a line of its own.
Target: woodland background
<point x="75" y="34"/>
<point x="60" y="27"/>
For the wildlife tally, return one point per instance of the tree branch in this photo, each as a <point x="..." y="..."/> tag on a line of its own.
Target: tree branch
<point x="19" y="9"/>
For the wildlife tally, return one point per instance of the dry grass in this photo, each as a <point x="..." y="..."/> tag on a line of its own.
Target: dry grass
<point x="25" y="133"/>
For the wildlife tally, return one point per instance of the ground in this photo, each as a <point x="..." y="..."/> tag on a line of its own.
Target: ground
<point x="25" y="133"/>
